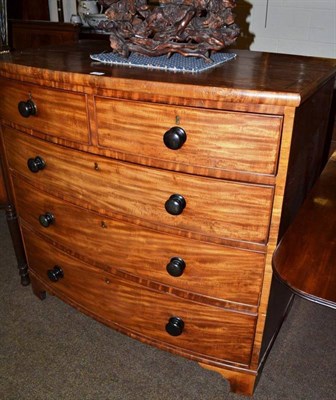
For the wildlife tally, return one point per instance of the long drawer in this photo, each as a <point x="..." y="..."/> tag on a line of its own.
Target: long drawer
<point x="213" y="207"/>
<point x="214" y="139"/>
<point x="210" y="331"/>
<point x="216" y="271"/>
<point x="58" y="113"/>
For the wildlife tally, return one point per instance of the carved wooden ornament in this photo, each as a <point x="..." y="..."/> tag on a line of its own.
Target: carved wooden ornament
<point x="193" y="28"/>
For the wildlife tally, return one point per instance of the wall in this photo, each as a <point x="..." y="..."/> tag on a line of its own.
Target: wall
<point x="306" y="27"/>
<point x="69" y="7"/>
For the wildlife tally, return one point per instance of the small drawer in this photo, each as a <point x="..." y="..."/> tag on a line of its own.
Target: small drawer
<point x="196" y="267"/>
<point x="58" y="113"/>
<point x="207" y="206"/>
<point x="231" y="141"/>
<point x="200" y="329"/>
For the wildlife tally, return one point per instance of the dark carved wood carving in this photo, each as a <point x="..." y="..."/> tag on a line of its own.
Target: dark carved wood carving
<point x="189" y="27"/>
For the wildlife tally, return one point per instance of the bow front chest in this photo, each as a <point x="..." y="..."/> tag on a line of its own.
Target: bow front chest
<point x="153" y="201"/>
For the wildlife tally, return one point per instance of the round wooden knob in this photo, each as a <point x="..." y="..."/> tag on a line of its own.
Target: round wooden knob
<point x="55" y="274"/>
<point x="36" y="164"/>
<point x="175" y="204"/>
<point x="175" y="138"/>
<point x="176" y="266"/>
<point x="175" y="326"/>
<point x="27" y="108"/>
<point x="46" y="219"/>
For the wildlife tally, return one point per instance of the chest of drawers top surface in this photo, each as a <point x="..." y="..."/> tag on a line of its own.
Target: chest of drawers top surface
<point x="252" y="77"/>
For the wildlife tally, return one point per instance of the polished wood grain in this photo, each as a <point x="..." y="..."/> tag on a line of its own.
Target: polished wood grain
<point x="59" y="113"/>
<point x="241" y="382"/>
<point x="269" y="105"/>
<point x="266" y="312"/>
<point x="221" y="335"/>
<point x="304" y="140"/>
<point x="220" y="272"/>
<point x="215" y="140"/>
<point x="305" y="257"/>
<point x="215" y="208"/>
<point x="253" y="77"/>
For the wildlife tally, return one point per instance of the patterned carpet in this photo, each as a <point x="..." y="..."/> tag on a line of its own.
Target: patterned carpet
<point x="49" y="351"/>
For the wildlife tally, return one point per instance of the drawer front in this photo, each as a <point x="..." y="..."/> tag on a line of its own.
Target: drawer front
<point x="215" y="139"/>
<point x="214" y="207"/>
<point x="207" y="330"/>
<point x="215" y="271"/>
<point x="59" y="113"/>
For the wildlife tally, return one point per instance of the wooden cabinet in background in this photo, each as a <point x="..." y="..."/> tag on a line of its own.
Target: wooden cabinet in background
<point x="37" y="10"/>
<point x="33" y="34"/>
<point x="29" y="26"/>
<point x="153" y="201"/>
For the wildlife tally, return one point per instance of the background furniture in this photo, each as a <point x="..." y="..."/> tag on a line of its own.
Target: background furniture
<point x="30" y="27"/>
<point x="37" y="10"/>
<point x="3" y="27"/>
<point x="32" y="34"/>
<point x="305" y="257"/>
<point x="153" y="202"/>
<point x="3" y="194"/>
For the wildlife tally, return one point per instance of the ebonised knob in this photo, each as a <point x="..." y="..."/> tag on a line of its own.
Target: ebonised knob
<point x="175" y="138"/>
<point x="176" y="266"/>
<point x="175" y="204"/>
<point x="36" y="164"/>
<point x="175" y="326"/>
<point x="46" y="219"/>
<point x="55" y="274"/>
<point x="27" y="108"/>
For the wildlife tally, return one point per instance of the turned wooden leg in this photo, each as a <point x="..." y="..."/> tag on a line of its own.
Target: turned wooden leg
<point x="14" y="230"/>
<point x="37" y="288"/>
<point x="240" y="382"/>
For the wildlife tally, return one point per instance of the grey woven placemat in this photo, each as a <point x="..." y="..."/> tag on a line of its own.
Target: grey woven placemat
<point x="175" y="63"/>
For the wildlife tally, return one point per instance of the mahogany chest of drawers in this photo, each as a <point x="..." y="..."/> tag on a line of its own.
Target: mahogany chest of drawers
<point x="153" y="201"/>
